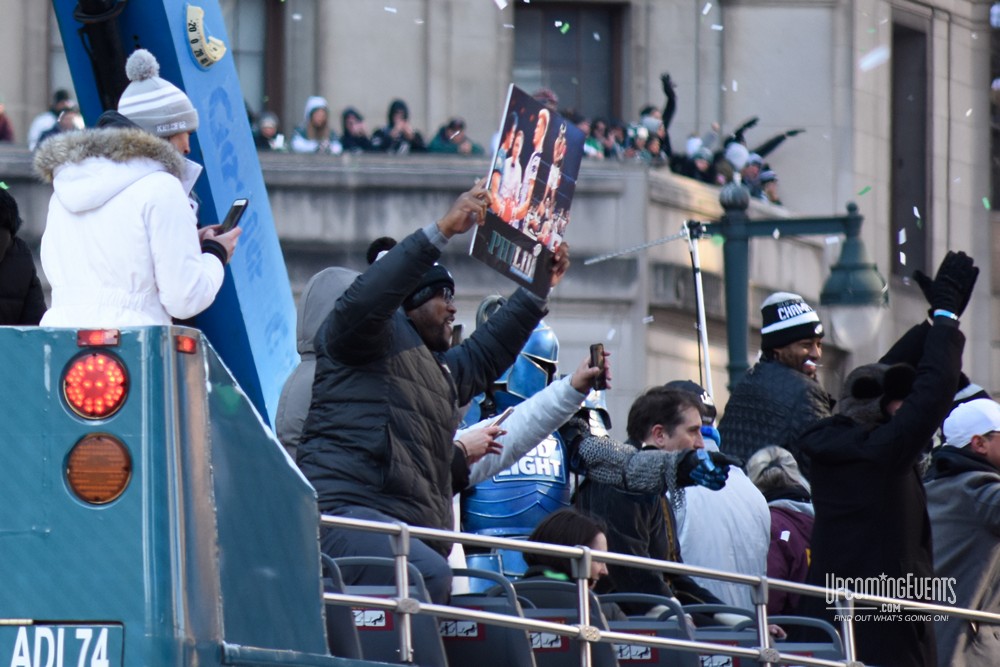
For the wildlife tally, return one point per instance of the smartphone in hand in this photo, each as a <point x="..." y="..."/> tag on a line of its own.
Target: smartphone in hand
<point x="597" y="360"/>
<point x="502" y="417"/>
<point x="234" y="215"/>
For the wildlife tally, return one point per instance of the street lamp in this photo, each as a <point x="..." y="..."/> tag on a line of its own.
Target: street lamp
<point x="855" y="291"/>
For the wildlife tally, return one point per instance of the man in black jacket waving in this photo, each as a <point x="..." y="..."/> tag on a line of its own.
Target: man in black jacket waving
<point x="377" y="443"/>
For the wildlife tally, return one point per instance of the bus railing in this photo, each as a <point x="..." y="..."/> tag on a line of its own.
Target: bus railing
<point x="400" y="535"/>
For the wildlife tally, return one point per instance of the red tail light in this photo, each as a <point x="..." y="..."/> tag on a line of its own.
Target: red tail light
<point x="97" y="337"/>
<point x="95" y="385"/>
<point x="186" y="344"/>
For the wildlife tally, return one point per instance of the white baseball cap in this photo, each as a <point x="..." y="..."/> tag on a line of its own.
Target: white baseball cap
<point x="977" y="417"/>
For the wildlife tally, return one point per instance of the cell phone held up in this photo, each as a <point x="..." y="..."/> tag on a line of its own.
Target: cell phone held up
<point x="233" y="217"/>
<point x="600" y="382"/>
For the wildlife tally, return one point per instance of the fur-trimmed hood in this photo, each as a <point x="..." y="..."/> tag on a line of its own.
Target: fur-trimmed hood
<point x="90" y="167"/>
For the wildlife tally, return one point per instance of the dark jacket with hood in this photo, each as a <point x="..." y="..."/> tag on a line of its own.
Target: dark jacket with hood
<point x="772" y="405"/>
<point x="963" y="500"/>
<point x="21" y="298"/>
<point x="871" y="509"/>
<point x="385" y="407"/>
<point x="383" y="140"/>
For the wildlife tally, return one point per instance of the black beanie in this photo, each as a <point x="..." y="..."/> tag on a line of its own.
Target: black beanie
<point x="436" y="277"/>
<point x="786" y="319"/>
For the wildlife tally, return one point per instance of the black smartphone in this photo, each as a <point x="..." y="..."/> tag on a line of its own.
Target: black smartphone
<point x="234" y="215"/>
<point x="597" y="359"/>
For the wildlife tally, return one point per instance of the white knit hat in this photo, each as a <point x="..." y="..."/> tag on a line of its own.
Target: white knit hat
<point x="154" y="104"/>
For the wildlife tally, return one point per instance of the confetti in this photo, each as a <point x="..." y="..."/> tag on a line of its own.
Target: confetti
<point x="564" y="29"/>
<point x="871" y="31"/>
<point x="4" y="186"/>
<point x="391" y="10"/>
<point x="736" y="86"/>
<point x="558" y="24"/>
<point x="421" y="21"/>
<point x="916" y="213"/>
<point x="832" y="240"/>
<point x="718" y="240"/>
<point x="597" y="36"/>
<point x="902" y="258"/>
<point x="717" y="27"/>
<point x="986" y="202"/>
<point x="776" y="233"/>
<point x="865" y="190"/>
<point x="706" y="9"/>
<point x="968" y="113"/>
<point x="902" y="236"/>
<point x="296" y="17"/>
<point x="501" y="4"/>
<point x="611" y="334"/>
<point x="874" y="58"/>
<point x="648" y="319"/>
<point x="509" y="26"/>
<point x="574" y="81"/>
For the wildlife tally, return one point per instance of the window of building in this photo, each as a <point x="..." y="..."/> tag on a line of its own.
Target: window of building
<point x="255" y="29"/>
<point x="910" y="172"/>
<point x="573" y="49"/>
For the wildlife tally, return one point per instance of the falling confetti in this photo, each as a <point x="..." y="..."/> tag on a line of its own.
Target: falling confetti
<point x="865" y="190"/>
<point x="418" y="21"/>
<point x="776" y="233"/>
<point x="717" y="27"/>
<point x="558" y="24"/>
<point x="706" y="9"/>
<point x="832" y="240"/>
<point x="736" y="86"/>
<point x="986" y="201"/>
<point x="574" y="81"/>
<point x="902" y="236"/>
<point x="597" y="36"/>
<point x="296" y="17"/>
<point x="564" y="29"/>
<point x="4" y="186"/>
<point x="611" y="334"/>
<point x="916" y="213"/>
<point x="509" y="26"/>
<point x="968" y="113"/>
<point x="902" y="258"/>
<point x="391" y="10"/>
<point x="877" y="56"/>
<point x="501" y="4"/>
<point x="648" y="319"/>
<point x="718" y="240"/>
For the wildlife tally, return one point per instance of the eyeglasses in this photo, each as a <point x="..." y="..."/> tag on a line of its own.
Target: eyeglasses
<point x="446" y="293"/>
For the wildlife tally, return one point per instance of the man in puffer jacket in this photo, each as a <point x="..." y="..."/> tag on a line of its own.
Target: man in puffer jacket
<point x="779" y="397"/>
<point x="121" y="243"/>
<point x="378" y="440"/>
<point x="21" y="298"/>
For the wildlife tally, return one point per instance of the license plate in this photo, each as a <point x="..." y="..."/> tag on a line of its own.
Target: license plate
<point x="52" y="645"/>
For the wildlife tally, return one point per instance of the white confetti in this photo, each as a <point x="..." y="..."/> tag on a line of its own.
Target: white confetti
<point x="611" y="333"/>
<point x="975" y="36"/>
<point x="968" y="113"/>
<point x="648" y="319"/>
<point x="418" y="21"/>
<point x="558" y="24"/>
<point x="916" y="213"/>
<point x="832" y="240"/>
<point x="706" y="9"/>
<point x="391" y="10"/>
<point x="508" y="26"/>
<point x="736" y="86"/>
<point x="597" y="36"/>
<point x="785" y="535"/>
<point x="902" y="258"/>
<point x="957" y="180"/>
<point x="717" y="27"/>
<point x="877" y="56"/>
<point x="776" y="233"/>
<point x="296" y="17"/>
<point x="501" y="4"/>
<point x="902" y="236"/>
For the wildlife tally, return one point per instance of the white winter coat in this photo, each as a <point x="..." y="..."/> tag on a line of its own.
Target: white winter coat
<point x="121" y="244"/>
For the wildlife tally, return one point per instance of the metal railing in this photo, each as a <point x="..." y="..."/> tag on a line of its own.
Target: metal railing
<point x="400" y="535"/>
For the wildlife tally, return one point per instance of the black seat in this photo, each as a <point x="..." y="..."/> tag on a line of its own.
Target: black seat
<point x="476" y="643"/>
<point x="556" y="601"/>
<point x="828" y="650"/>
<point x="673" y="627"/>
<point x="378" y="629"/>
<point x="341" y="635"/>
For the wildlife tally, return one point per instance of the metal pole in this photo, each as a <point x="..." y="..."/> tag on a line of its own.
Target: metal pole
<point x="401" y="549"/>
<point x="736" y="258"/>
<point x="699" y="297"/>
<point x="582" y="574"/>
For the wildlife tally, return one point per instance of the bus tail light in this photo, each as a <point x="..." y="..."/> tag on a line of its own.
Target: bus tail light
<point x="95" y="385"/>
<point x="98" y="468"/>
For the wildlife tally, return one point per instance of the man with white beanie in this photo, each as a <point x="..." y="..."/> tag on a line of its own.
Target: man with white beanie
<point x="963" y="501"/>
<point x="779" y="397"/>
<point x="121" y="245"/>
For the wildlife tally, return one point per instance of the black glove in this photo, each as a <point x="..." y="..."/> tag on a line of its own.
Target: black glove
<point x="792" y="133"/>
<point x="952" y="287"/>
<point x="668" y="84"/>
<point x="925" y="283"/>
<point x="705" y="468"/>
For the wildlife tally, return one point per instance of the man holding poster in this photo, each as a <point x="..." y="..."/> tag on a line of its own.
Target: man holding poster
<point x="530" y="195"/>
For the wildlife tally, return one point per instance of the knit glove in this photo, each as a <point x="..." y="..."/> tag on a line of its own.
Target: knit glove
<point x="572" y="432"/>
<point x="952" y="286"/>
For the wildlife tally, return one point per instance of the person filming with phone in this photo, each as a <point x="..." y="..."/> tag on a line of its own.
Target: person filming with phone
<point x="121" y="245"/>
